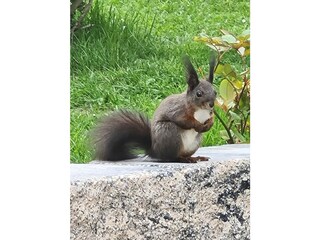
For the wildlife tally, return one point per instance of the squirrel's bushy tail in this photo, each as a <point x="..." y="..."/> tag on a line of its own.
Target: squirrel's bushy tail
<point x="120" y="133"/>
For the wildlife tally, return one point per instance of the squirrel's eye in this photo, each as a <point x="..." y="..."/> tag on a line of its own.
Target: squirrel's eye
<point x="199" y="93"/>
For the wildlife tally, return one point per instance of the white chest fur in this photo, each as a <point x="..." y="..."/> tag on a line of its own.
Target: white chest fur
<point x="202" y="115"/>
<point x="190" y="138"/>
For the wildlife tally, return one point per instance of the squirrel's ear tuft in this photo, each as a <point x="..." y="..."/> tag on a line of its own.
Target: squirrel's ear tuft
<point x="192" y="77"/>
<point x="212" y="65"/>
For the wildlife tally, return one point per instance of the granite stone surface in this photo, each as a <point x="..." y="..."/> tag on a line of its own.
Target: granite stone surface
<point x="146" y="199"/>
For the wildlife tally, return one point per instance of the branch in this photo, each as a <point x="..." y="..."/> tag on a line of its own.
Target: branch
<point x="84" y="13"/>
<point x="245" y="123"/>
<point x="74" y="5"/>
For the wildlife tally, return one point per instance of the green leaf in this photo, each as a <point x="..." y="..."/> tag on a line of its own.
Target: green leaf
<point x="224" y="135"/>
<point x="247" y="52"/>
<point x="219" y="69"/>
<point x="238" y="84"/>
<point x="228" y="71"/>
<point x="238" y="135"/>
<point x="225" y="32"/>
<point x="241" y="50"/>
<point x="220" y="103"/>
<point x="245" y="32"/>
<point x="245" y="35"/>
<point x="245" y="72"/>
<point x="229" y="38"/>
<point x="230" y="104"/>
<point x="201" y="39"/>
<point x="218" y="47"/>
<point x="226" y="91"/>
<point x="216" y="41"/>
<point x="234" y="116"/>
<point x="244" y="101"/>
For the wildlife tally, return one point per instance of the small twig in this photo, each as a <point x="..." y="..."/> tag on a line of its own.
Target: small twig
<point x="245" y="124"/>
<point x="225" y="126"/>
<point x="75" y="4"/>
<point x="230" y="125"/>
<point x="84" y="13"/>
<point x="87" y="26"/>
<point x="241" y="93"/>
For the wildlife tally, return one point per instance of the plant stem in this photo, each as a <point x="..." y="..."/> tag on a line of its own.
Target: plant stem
<point x="83" y="14"/>
<point x="241" y="93"/>
<point x="245" y="123"/>
<point x="225" y="127"/>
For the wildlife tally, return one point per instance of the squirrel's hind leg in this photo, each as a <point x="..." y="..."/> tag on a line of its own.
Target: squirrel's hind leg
<point x="166" y="141"/>
<point x="199" y="158"/>
<point x="192" y="159"/>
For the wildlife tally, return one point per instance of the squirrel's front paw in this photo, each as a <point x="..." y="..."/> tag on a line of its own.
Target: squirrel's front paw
<point x="208" y="124"/>
<point x="205" y="126"/>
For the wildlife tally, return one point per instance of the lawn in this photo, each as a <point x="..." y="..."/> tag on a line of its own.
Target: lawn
<point x="130" y="57"/>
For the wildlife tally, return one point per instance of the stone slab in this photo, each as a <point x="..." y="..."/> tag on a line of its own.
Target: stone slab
<point x="102" y="169"/>
<point x="146" y="199"/>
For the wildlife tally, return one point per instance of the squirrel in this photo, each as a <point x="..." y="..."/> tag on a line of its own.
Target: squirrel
<point x="175" y="132"/>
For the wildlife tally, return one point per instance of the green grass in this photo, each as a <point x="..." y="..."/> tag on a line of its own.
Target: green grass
<point x="131" y="58"/>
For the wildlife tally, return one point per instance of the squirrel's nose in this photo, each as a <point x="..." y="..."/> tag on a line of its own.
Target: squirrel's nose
<point x="211" y="104"/>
